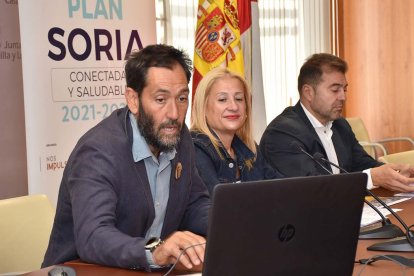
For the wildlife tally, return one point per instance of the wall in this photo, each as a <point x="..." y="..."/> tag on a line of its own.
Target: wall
<point x="13" y="168"/>
<point x="378" y="41"/>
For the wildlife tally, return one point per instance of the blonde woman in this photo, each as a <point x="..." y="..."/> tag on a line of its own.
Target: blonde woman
<point x="221" y="127"/>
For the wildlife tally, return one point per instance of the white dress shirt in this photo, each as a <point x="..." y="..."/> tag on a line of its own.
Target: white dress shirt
<point x="325" y="135"/>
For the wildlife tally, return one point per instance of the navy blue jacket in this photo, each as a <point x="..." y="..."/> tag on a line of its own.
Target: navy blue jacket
<point x="291" y="125"/>
<point x="105" y="205"/>
<point x="214" y="170"/>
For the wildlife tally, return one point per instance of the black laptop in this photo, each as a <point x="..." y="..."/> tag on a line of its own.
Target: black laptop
<point x="290" y="226"/>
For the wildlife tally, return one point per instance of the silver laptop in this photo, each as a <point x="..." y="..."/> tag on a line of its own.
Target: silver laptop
<point x="290" y="226"/>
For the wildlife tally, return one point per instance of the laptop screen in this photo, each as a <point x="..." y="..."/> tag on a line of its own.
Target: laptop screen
<point x="290" y="226"/>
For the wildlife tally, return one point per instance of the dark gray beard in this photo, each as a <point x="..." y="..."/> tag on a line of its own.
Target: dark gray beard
<point x="153" y="136"/>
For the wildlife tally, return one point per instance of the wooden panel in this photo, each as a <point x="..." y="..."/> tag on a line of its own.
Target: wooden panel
<point x="378" y="41"/>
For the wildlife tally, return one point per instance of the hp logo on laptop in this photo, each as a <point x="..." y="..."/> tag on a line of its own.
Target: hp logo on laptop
<point x="286" y="232"/>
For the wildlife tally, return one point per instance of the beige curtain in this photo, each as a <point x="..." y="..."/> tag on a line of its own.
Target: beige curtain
<point x="290" y="31"/>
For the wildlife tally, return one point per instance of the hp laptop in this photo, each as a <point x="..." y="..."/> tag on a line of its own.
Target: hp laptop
<point x="290" y="226"/>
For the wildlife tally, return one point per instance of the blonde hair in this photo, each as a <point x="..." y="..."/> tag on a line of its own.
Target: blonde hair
<point x="198" y="114"/>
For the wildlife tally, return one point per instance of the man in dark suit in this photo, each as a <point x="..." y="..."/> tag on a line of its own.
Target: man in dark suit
<point x="130" y="195"/>
<point x="315" y="125"/>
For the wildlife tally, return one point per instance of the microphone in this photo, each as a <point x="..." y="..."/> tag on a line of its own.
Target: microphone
<point x="402" y="243"/>
<point x="297" y="147"/>
<point x="387" y="230"/>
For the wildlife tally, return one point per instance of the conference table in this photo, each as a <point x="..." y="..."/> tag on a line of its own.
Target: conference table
<point x="378" y="268"/>
<point x="386" y="267"/>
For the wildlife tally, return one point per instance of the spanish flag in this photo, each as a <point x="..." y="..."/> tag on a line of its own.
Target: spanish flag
<point x="227" y="34"/>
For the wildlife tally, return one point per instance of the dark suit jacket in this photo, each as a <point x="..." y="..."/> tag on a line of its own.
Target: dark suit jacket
<point x="105" y="205"/>
<point x="293" y="125"/>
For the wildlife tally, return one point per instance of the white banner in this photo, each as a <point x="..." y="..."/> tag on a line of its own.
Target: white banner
<point x="73" y="57"/>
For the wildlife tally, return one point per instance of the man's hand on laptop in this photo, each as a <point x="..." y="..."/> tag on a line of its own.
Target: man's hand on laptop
<point x="169" y="251"/>
<point x="394" y="177"/>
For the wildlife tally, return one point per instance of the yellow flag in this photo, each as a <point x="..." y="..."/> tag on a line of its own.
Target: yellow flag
<point x="217" y="39"/>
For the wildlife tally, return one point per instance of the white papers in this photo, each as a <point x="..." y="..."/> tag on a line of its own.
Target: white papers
<point x="405" y="194"/>
<point x="370" y="216"/>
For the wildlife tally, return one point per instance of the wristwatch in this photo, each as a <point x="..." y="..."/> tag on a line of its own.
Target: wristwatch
<point x="153" y="243"/>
